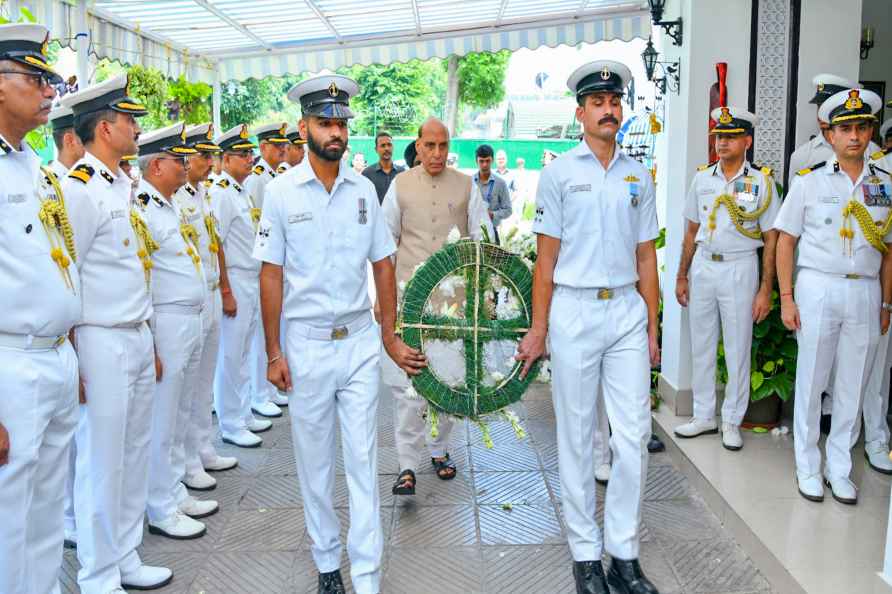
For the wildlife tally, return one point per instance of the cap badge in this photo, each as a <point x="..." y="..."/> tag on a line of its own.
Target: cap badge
<point x="282" y="129"/>
<point x="854" y="100"/>
<point x="333" y="89"/>
<point x="605" y="73"/>
<point x="725" y="118"/>
<point x="46" y="43"/>
<point x="820" y="87"/>
<point x="244" y="133"/>
<point x="183" y="134"/>
<point x="210" y="134"/>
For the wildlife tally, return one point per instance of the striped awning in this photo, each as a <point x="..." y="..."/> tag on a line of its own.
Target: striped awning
<point x="237" y="39"/>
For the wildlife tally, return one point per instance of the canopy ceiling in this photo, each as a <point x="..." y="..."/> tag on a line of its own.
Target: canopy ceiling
<point x="239" y="39"/>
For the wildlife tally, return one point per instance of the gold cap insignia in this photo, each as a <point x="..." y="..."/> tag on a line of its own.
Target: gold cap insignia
<point x="820" y="87"/>
<point x="244" y="132"/>
<point x="127" y="87"/>
<point x="282" y="129"/>
<point x="854" y="100"/>
<point x="605" y="73"/>
<point x="46" y="43"/>
<point x="210" y="134"/>
<point x="333" y="89"/>
<point x="725" y="117"/>
<point x="183" y="134"/>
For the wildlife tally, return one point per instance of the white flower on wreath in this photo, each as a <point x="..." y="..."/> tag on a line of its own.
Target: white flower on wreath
<point x="454" y="235"/>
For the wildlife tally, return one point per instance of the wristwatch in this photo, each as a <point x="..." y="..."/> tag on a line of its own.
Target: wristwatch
<point x="887" y="307"/>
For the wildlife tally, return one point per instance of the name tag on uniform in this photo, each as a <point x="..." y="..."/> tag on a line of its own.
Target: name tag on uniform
<point x="300" y="217"/>
<point x="877" y="195"/>
<point x="746" y="197"/>
<point x="828" y="199"/>
<point x="117" y="214"/>
<point x="580" y="188"/>
<point x="16" y="198"/>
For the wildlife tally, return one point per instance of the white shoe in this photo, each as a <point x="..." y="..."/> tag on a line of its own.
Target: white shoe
<point x="243" y="439"/>
<point x="810" y="487"/>
<point x="279" y="399"/>
<point x="731" y="438"/>
<point x="842" y="489"/>
<point x="146" y="578"/>
<point x="198" y="508"/>
<point x="696" y="427"/>
<point x="877" y="455"/>
<point x="178" y="526"/>
<point x="200" y="481"/>
<point x="602" y="474"/>
<point x="220" y="463"/>
<point x="259" y="425"/>
<point x="267" y="409"/>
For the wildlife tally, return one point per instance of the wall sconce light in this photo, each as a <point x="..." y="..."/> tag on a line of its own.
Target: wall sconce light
<point x="671" y="70"/>
<point x="866" y="42"/>
<point x="672" y="28"/>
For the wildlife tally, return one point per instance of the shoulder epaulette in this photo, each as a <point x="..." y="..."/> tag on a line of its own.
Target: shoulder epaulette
<point x="4" y="147"/>
<point x="223" y="183"/>
<point x="144" y="198"/>
<point x="82" y="173"/>
<point x="158" y="201"/>
<point x="207" y="183"/>
<point x="281" y="169"/>
<point x="880" y="154"/>
<point x="808" y="170"/>
<point x="766" y="171"/>
<point x="258" y="169"/>
<point x="707" y="166"/>
<point x="189" y="189"/>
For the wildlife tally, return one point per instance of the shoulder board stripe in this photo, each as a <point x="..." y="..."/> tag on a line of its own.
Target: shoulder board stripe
<point x="82" y="173"/>
<point x="880" y="154"/>
<point x="707" y="166"/>
<point x="223" y="183"/>
<point x="258" y="169"/>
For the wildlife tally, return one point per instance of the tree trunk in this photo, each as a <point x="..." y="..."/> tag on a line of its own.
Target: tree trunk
<point x="451" y="115"/>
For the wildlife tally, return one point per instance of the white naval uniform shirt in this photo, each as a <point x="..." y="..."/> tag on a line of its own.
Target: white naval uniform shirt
<point x="478" y="214"/>
<point x="599" y="215"/>
<point x="60" y="170"/>
<point x="230" y="201"/>
<point x="812" y="152"/>
<point x="883" y="159"/>
<point x="256" y="182"/>
<point x="36" y="299"/>
<point x="324" y="241"/>
<point x="175" y="278"/>
<point x="114" y="285"/>
<point x="812" y="211"/>
<point x="194" y="205"/>
<point x="750" y="189"/>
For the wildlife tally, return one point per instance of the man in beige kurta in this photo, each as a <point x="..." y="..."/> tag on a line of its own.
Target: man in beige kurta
<point x="422" y="206"/>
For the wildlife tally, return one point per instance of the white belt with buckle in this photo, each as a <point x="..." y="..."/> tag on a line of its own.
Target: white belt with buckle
<point x="336" y="333"/>
<point x="599" y="293"/>
<point x="725" y="257"/>
<point x="26" y="342"/>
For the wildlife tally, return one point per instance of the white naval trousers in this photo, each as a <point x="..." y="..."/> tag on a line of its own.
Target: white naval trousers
<point x="840" y="321"/>
<point x="876" y="397"/>
<point x="178" y="344"/>
<point x="337" y="381"/>
<point x="261" y="390"/>
<point x="601" y="435"/>
<point x="601" y="342"/>
<point x="198" y="446"/>
<point x="38" y="408"/>
<point x="722" y="290"/>
<point x="232" y="382"/>
<point x="68" y="514"/>
<point x="113" y="435"/>
<point x="412" y="431"/>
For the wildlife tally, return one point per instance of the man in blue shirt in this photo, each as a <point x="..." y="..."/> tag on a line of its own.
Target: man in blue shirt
<point x="493" y="189"/>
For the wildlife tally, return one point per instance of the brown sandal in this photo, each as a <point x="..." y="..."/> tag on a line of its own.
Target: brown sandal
<point x="444" y="468"/>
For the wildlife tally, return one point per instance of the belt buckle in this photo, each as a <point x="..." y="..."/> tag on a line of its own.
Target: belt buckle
<point x="853" y="276"/>
<point x="605" y="294"/>
<point x="717" y="258"/>
<point x="339" y="333"/>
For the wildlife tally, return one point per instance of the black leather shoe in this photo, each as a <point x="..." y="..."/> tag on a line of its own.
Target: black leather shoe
<point x="626" y="577"/>
<point x="589" y="577"/>
<point x="330" y="583"/>
<point x="655" y="445"/>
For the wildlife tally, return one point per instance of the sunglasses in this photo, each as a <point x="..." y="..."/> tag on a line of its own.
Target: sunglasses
<point x="44" y="79"/>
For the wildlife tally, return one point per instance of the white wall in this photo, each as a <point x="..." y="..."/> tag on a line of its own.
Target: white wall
<point x="828" y="42"/>
<point x="878" y="65"/>
<point x="683" y="147"/>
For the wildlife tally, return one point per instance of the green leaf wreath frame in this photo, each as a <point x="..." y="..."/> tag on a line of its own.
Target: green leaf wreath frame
<point x="478" y="263"/>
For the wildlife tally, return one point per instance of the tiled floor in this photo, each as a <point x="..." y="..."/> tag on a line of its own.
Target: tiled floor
<point x="826" y="547"/>
<point x="457" y="537"/>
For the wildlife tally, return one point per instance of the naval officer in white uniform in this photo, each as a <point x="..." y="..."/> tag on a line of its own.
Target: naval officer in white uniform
<point x="320" y="228"/>
<point x="596" y="297"/>
<point x="838" y="215"/>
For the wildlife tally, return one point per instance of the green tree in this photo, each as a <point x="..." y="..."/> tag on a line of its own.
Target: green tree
<point x="146" y="85"/>
<point x="245" y="102"/>
<point x="194" y="100"/>
<point x="396" y="97"/>
<point x="476" y="81"/>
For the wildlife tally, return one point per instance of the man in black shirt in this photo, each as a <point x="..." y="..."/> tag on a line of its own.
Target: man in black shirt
<point x="383" y="172"/>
